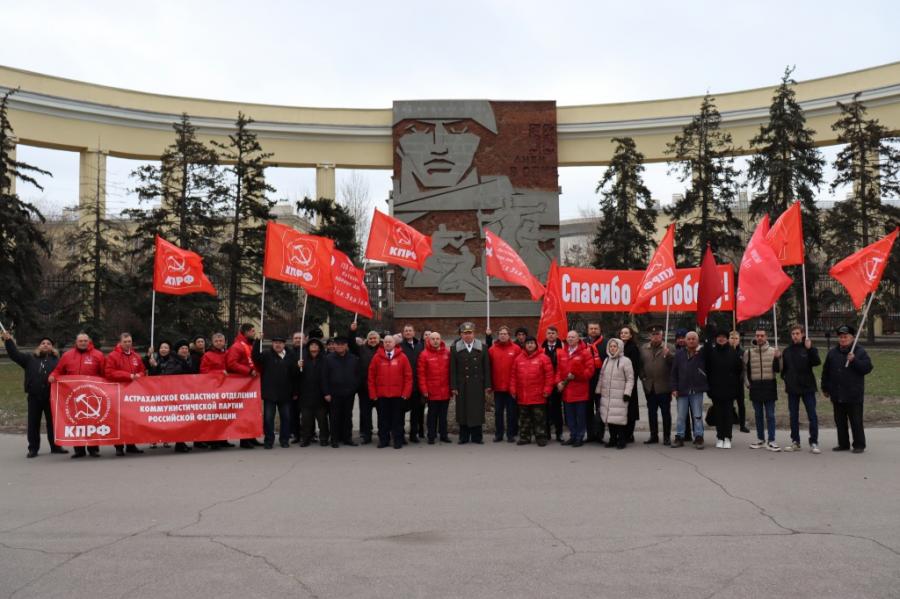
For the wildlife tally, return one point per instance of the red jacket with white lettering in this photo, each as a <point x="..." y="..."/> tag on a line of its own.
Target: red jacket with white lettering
<point x="90" y="362"/>
<point x="214" y="361"/>
<point x="390" y="378"/>
<point x="433" y="369"/>
<point x="502" y="357"/>
<point x="580" y="363"/>
<point x="531" y="379"/>
<point x="120" y="366"/>
<point x="238" y="359"/>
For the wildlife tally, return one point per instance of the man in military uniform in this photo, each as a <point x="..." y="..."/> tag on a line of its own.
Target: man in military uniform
<point x="470" y="380"/>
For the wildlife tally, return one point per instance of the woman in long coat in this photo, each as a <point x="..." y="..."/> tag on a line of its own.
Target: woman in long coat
<point x="616" y="379"/>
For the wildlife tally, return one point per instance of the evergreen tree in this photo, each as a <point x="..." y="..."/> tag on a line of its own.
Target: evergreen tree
<point x="188" y="194"/>
<point x="22" y="242"/>
<point x="625" y="235"/>
<point x="336" y="223"/>
<point x="702" y="154"/>
<point x="787" y="167"/>
<point x="870" y="164"/>
<point x="94" y="253"/>
<point x="248" y="209"/>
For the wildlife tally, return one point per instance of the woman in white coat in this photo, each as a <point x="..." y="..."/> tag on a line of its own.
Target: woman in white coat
<point x="616" y="380"/>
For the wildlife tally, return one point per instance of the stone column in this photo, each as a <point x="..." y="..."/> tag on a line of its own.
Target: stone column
<point x="91" y="183"/>
<point x="325" y="186"/>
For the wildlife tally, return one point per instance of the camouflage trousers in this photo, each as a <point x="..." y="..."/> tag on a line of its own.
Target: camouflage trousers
<point x="532" y="421"/>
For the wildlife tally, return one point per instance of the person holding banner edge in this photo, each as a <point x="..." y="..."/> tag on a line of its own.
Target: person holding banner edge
<point x="84" y="359"/>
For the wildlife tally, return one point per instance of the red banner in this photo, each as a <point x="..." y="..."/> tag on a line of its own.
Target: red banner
<point x="303" y="260"/>
<point x="589" y="290"/>
<point x="860" y="272"/>
<point x="178" y="272"/>
<point x="396" y="242"/>
<point x="761" y="280"/>
<point x="89" y="410"/>
<point x="552" y="311"/>
<point x="660" y="273"/>
<point x="349" y="285"/>
<point x="504" y="263"/>
<point x="786" y="236"/>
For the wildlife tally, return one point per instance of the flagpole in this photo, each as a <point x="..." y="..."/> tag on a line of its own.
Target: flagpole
<point x="356" y="314"/>
<point x="303" y="320"/>
<point x="262" y="312"/>
<point x="152" y="317"/>
<point x="487" y="297"/>
<point x="666" y="336"/>
<point x="805" y="306"/>
<point x="775" y="324"/>
<point x="861" y="323"/>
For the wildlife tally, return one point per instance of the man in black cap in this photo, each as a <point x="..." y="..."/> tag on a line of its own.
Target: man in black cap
<point x="37" y="366"/>
<point x="340" y="380"/>
<point x="470" y="380"/>
<point x="276" y="366"/>
<point x="656" y="359"/>
<point x="843" y="383"/>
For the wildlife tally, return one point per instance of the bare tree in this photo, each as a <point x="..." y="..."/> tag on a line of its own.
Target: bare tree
<point x="354" y="196"/>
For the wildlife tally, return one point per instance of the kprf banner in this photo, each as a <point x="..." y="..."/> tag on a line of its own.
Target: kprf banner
<point x="89" y="410"/>
<point x="395" y="242"/>
<point x="589" y="290"/>
<point x="178" y="272"/>
<point x="503" y="262"/>
<point x="303" y="260"/>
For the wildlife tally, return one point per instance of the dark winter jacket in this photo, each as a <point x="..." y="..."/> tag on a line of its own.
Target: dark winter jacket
<point x="37" y="368"/>
<point x="723" y="370"/>
<point x="310" y="387"/>
<point x="689" y="372"/>
<point x="365" y="352"/>
<point x="845" y="384"/>
<point x="276" y="374"/>
<point x="340" y="376"/>
<point x="412" y="351"/>
<point x="797" y="368"/>
<point x="176" y="365"/>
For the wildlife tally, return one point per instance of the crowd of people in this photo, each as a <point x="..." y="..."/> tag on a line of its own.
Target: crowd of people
<point x="586" y="386"/>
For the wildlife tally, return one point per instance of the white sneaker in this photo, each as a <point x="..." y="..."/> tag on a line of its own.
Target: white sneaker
<point x="815" y="448"/>
<point x="773" y="446"/>
<point x="793" y="447"/>
<point x="719" y="443"/>
<point x="759" y="444"/>
<point x="726" y="444"/>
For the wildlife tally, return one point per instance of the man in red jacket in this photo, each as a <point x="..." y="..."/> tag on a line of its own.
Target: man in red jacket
<point x="239" y="360"/>
<point x="214" y="358"/>
<point x="123" y="365"/>
<point x="574" y="371"/>
<point x="502" y="356"/>
<point x="434" y="385"/>
<point x="531" y="383"/>
<point x="597" y="346"/>
<point x="81" y="359"/>
<point x="390" y="386"/>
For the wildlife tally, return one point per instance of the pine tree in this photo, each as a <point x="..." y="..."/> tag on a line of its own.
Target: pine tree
<point x="22" y="242"/>
<point x="336" y="223"/>
<point x="94" y="251"/>
<point x="188" y="193"/>
<point x="786" y="168"/>
<point x="870" y="163"/>
<point x="249" y="209"/>
<point x="625" y="235"/>
<point x="702" y="154"/>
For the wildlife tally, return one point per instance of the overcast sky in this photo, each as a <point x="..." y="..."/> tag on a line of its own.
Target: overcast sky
<point x="367" y="54"/>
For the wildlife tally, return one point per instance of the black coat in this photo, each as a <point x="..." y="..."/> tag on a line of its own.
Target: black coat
<point x="311" y="395"/>
<point x="175" y="365"/>
<point x="161" y="362"/>
<point x="633" y="352"/>
<point x="37" y="369"/>
<point x="276" y="374"/>
<point x="412" y="352"/>
<point x="340" y="375"/>
<point x="797" y="368"/>
<point x="723" y="371"/>
<point x="365" y="353"/>
<point x="689" y="373"/>
<point x="845" y="384"/>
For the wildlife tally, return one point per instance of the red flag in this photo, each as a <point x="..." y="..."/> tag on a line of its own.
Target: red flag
<point x="179" y="272"/>
<point x="504" y="263"/>
<point x="710" y="287"/>
<point x="349" y="285"/>
<point x="303" y="260"/>
<point x="786" y="236"/>
<point x="393" y="241"/>
<point x="760" y="278"/>
<point x="861" y="271"/>
<point x="552" y="310"/>
<point x="660" y="273"/>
